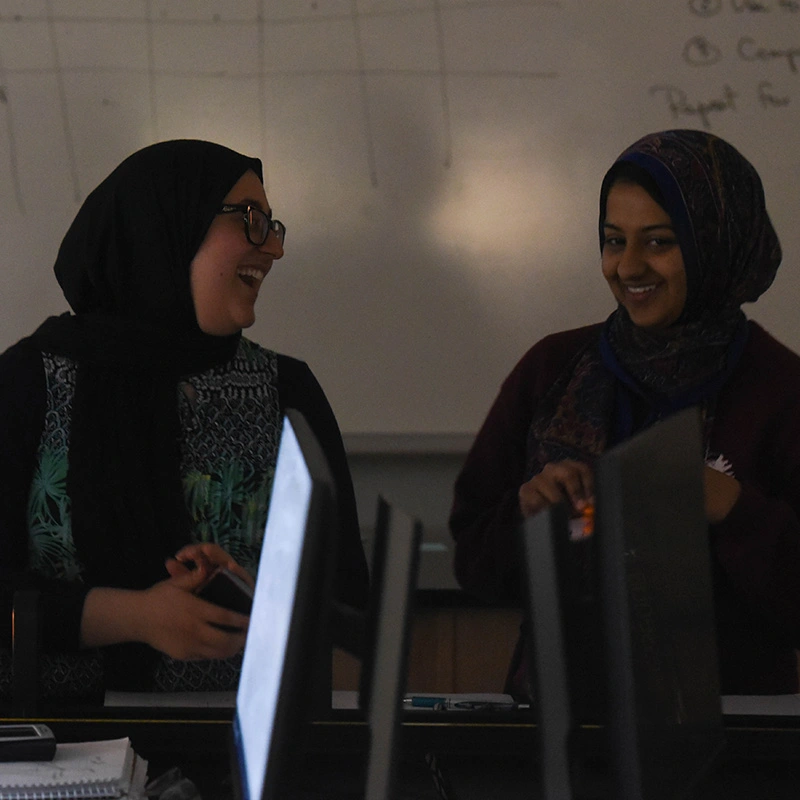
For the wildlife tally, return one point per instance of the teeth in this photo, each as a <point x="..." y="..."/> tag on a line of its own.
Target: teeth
<point x="251" y="272"/>
<point x="639" y="289"/>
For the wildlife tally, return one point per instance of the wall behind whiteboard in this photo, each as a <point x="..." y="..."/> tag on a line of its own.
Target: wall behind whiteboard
<point x="436" y="162"/>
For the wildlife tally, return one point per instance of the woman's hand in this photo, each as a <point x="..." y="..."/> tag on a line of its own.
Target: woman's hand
<point x="559" y="481"/>
<point x="169" y="616"/>
<point x="721" y="492"/>
<point x="202" y="560"/>
<point x="187" y="627"/>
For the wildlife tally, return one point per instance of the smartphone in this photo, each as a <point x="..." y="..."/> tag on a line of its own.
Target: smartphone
<point x="24" y="742"/>
<point x="228" y="590"/>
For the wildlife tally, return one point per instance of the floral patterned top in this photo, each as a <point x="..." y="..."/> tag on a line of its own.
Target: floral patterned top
<point x="230" y="431"/>
<point x="230" y="419"/>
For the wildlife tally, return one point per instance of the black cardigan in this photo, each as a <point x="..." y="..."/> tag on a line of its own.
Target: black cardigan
<point x="22" y="410"/>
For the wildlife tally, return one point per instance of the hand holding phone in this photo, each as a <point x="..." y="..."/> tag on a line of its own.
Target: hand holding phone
<point x="227" y="589"/>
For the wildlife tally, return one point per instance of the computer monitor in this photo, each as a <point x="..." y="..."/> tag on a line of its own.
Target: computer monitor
<point x="287" y="618"/>
<point x="623" y="625"/>
<point x="395" y="562"/>
<point x="652" y="542"/>
<point x="550" y="611"/>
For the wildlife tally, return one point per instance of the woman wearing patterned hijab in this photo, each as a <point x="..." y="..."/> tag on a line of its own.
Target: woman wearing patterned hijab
<point x="144" y="425"/>
<point x="685" y="240"/>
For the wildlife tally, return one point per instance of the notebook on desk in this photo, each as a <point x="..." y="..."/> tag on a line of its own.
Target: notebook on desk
<point x="103" y="769"/>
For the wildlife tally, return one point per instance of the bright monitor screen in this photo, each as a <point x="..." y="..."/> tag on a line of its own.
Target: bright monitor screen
<point x="268" y="637"/>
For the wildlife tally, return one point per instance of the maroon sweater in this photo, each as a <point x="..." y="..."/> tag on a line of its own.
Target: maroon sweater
<point x="755" y="551"/>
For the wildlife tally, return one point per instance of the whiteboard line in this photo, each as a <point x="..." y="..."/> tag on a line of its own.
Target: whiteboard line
<point x="151" y="75"/>
<point x="300" y="73"/>
<point x="502" y="73"/>
<point x="506" y="4"/>
<point x="62" y="19"/>
<point x="289" y="20"/>
<point x="62" y="100"/>
<point x="13" y="164"/>
<point x="407" y="12"/>
<point x="448" y="134"/>
<point x="362" y="81"/>
<point x="262" y="95"/>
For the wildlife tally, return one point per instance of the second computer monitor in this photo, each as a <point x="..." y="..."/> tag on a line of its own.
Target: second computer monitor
<point x="654" y="562"/>
<point x="395" y="561"/>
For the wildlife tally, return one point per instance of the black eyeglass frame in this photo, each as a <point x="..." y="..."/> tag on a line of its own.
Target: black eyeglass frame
<point x="247" y="210"/>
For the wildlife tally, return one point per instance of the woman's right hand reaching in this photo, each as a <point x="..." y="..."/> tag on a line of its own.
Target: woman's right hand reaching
<point x="559" y="482"/>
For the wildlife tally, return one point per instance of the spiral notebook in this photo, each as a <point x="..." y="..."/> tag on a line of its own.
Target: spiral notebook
<point x="105" y="769"/>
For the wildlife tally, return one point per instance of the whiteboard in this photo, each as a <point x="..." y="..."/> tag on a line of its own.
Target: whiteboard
<point x="436" y="162"/>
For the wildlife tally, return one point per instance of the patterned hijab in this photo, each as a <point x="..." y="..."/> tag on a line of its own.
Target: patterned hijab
<point x="731" y="253"/>
<point x="124" y="269"/>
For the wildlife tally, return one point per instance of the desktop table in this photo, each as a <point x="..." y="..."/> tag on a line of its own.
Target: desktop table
<point x="474" y="751"/>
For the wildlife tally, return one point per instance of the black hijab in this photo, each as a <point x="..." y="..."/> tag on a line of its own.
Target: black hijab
<point x="124" y="269"/>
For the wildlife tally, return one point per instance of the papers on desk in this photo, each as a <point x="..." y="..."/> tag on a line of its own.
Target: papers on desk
<point x="764" y="705"/>
<point x="106" y="769"/>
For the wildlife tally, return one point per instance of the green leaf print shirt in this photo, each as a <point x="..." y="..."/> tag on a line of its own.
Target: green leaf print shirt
<point x="230" y="430"/>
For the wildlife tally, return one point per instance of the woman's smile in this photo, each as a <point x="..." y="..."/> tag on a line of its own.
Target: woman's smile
<point x="642" y="260"/>
<point x="252" y="275"/>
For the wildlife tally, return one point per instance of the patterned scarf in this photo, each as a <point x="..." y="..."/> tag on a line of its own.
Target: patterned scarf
<point x="630" y="377"/>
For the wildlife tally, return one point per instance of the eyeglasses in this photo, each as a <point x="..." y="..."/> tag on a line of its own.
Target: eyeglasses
<point x="257" y="224"/>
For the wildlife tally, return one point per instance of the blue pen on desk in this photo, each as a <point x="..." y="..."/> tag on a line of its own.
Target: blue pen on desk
<point x="425" y="702"/>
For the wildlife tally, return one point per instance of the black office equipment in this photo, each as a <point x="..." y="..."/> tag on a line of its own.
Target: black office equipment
<point x="395" y="561"/>
<point x="665" y="719"/>
<point x="26" y="742"/>
<point x="623" y="624"/>
<point x="227" y="589"/>
<point x="546" y="546"/>
<point x="287" y="619"/>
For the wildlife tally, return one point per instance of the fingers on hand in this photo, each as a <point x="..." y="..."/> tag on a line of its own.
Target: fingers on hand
<point x="573" y="480"/>
<point x="559" y="481"/>
<point x="209" y="556"/>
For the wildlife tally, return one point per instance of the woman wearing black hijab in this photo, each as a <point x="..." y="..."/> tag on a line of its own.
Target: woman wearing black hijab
<point x="144" y="422"/>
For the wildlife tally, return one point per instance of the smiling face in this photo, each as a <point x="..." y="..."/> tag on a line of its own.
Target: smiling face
<point x="227" y="271"/>
<point x="642" y="259"/>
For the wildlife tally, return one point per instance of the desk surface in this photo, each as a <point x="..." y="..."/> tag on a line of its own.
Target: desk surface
<point x="762" y="758"/>
<point x="206" y="731"/>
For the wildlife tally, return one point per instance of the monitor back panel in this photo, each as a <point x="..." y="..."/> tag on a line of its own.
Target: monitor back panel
<point x="664" y="708"/>
<point x="394" y="574"/>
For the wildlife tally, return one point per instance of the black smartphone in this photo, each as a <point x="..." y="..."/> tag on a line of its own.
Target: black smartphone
<point x="23" y="742"/>
<point x="228" y="590"/>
